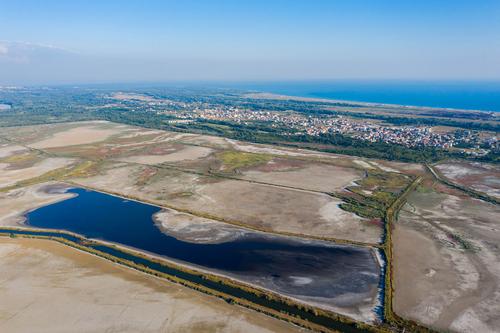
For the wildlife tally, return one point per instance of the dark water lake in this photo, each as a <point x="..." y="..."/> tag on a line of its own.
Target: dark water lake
<point x="308" y="270"/>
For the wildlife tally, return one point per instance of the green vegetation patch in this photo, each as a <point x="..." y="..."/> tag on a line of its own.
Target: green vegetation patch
<point x="19" y="161"/>
<point x="234" y="160"/>
<point x="373" y="195"/>
<point x="463" y="242"/>
<point x="388" y="180"/>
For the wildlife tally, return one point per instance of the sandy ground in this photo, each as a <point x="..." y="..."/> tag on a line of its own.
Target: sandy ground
<point x="187" y="153"/>
<point x="318" y="177"/>
<point x="439" y="281"/>
<point x="403" y="167"/>
<point x="194" y="229"/>
<point x="141" y="132"/>
<point x="76" y="136"/>
<point x="15" y="203"/>
<point x="11" y="176"/>
<point x="269" y="149"/>
<point x="7" y="150"/>
<point x="209" y="141"/>
<point x="88" y="294"/>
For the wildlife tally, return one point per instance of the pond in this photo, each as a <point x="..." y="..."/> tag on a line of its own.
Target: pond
<point x="321" y="273"/>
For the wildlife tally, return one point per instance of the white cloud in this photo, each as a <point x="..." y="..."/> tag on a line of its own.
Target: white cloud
<point x="33" y="45"/>
<point x="19" y="52"/>
<point x="3" y="49"/>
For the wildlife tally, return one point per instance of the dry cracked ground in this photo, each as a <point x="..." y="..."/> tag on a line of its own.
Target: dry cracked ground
<point x="446" y="254"/>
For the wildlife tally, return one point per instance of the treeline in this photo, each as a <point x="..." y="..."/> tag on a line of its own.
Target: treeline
<point x="340" y="144"/>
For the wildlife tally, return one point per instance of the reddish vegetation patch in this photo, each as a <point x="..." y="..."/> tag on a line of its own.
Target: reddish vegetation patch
<point x="376" y="222"/>
<point x="163" y="149"/>
<point x="90" y="152"/>
<point x="145" y="175"/>
<point x="350" y="194"/>
<point x="471" y="178"/>
<point x="476" y="175"/>
<point x="427" y="182"/>
<point x="449" y="190"/>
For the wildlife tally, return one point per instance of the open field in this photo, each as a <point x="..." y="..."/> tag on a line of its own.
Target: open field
<point x="231" y="182"/>
<point x="446" y="261"/>
<point x="105" y="297"/>
<point x="481" y="177"/>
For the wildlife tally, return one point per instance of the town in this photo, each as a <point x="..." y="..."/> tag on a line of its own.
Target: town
<point x="297" y="123"/>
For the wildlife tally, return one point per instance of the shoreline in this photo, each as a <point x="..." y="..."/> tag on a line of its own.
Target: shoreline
<point x="302" y="98"/>
<point x="219" y="274"/>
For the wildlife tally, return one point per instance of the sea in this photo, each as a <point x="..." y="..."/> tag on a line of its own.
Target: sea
<point x="469" y="95"/>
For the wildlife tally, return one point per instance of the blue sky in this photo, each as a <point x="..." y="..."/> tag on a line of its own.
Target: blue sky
<point x="102" y="41"/>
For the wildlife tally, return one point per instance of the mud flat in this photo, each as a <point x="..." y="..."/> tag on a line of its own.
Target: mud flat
<point x="481" y="177"/>
<point x="447" y="261"/>
<point x="194" y="229"/>
<point x="79" y="287"/>
<point x="14" y="203"/>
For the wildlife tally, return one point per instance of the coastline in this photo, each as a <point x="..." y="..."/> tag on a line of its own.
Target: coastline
<point x="303" y="98"/>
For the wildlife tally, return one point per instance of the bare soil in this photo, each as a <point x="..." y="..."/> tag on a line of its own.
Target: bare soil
<point x="446" y="259"/>
<point x="89" y="294"/>
<point x="478" y="176"/>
